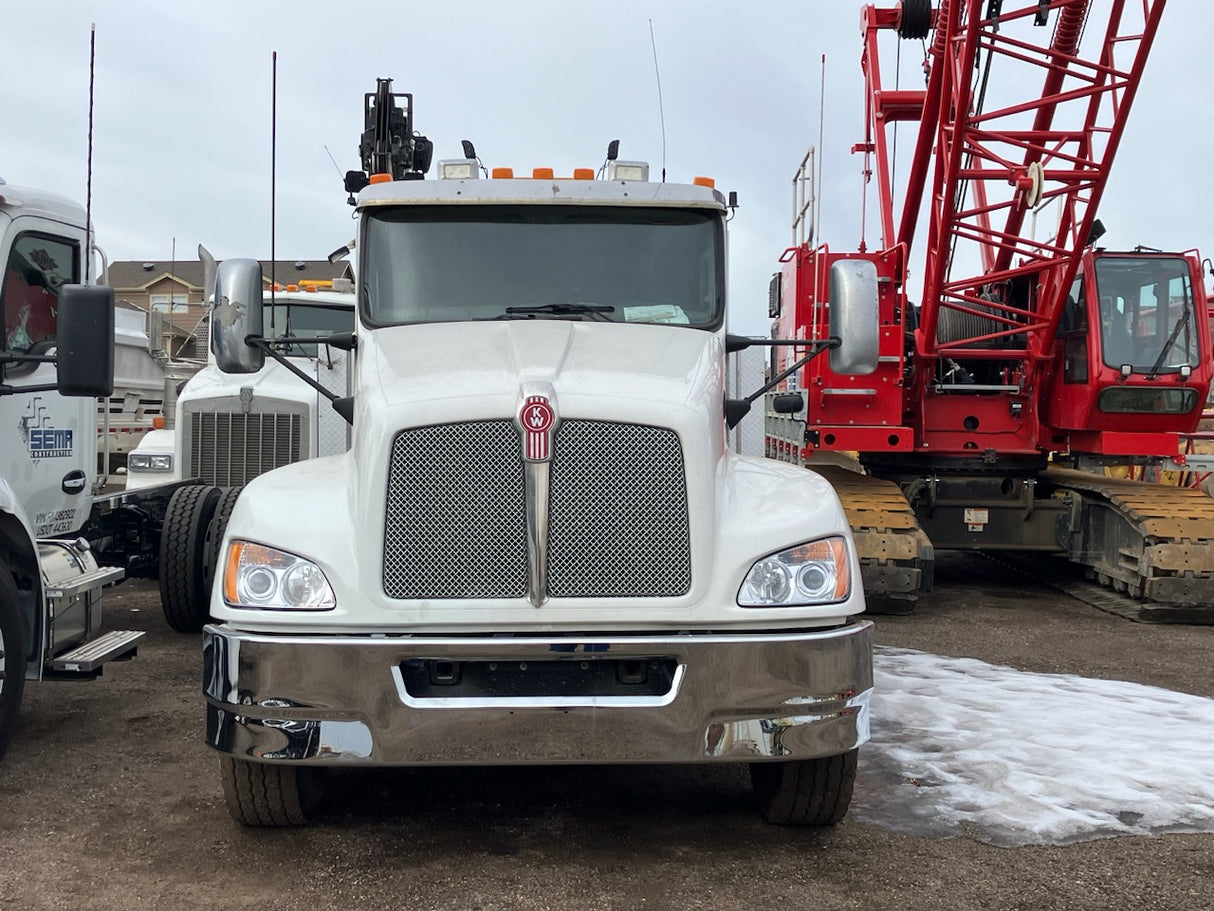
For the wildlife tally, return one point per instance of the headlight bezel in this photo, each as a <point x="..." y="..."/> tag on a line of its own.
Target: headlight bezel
<point x="259" y="577"/>
<point x="812" y="573"/>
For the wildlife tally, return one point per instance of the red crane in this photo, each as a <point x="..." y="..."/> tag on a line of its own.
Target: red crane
<point x="1014" y="359"/>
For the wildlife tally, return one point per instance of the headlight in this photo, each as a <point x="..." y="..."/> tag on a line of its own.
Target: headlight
<point x="146" y="461"/>
<point x="813" y="573"/>
<point x="269" y="579"/>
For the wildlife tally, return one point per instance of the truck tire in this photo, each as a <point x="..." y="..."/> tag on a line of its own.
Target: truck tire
<point x="215" y="532"/>
<point x="12" y="657"/>
<point x="805" y="792"/>
<point x="258" y="794"/>
<point x="184" y="593"/>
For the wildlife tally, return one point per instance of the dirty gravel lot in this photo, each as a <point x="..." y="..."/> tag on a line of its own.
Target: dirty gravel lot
<point x="109" y="800"/>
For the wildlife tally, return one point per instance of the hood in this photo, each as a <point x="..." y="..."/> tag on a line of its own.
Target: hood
<point x="458" y="371"/>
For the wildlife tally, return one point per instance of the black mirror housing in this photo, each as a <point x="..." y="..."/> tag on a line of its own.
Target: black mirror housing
<point x="85" y="341"/>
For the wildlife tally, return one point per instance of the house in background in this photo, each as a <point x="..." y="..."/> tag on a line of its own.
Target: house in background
<point x="172" y="292"/>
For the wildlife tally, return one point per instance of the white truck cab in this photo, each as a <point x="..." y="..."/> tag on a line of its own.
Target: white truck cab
<point x="227" y="429"/>
<point x="538" y="548"/>
<point x="61" y="544"/>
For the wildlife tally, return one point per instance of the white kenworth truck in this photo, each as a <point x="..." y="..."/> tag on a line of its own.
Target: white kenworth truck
<point x="538" y="548"/>
<point x="228" y="428"/>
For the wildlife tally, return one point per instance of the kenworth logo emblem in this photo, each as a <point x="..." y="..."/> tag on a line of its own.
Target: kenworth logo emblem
<point x="537" y="417"/>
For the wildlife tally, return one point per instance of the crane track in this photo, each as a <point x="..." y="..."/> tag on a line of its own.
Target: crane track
<point x="896" y="556"/>
<point x="1096" y="595"/>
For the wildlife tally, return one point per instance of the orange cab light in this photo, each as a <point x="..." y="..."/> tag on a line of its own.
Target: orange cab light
<point x="229" y="571"/>
<point x="704" y="182"/>
<point x="381" y="178"/>
<point x="503" y="173"/>
<point x="292" y="287"/>
<point x="541" y="173"/>
<point x="583" y="173"/>
<point x="158" y="422"/>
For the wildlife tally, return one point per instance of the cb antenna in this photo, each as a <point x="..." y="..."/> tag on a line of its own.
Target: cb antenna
<point x="273" y="179"/>
<point x="661" y="113"/>
<point x="88" y="193"/>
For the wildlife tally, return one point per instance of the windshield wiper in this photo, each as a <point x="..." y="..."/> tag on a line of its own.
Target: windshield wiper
<point x="594" y="311"/>
<point x="1182" y="323"/>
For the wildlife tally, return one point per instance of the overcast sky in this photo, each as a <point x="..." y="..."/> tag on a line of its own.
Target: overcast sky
<point x="182" y="132"/>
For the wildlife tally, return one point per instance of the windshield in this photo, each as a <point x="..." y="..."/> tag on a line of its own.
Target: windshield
<point x="426" y="264"/>
<point x="1146" y="313"/>
<point x="305" y="321"/>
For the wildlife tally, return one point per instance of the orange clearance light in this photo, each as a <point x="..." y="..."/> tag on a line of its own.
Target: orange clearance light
<point x="381" y="178"/>
<point x="704" y="182"/>
<point x="292" y="287"/>
<point x="541" y="174"/>
<point x="158" y="422"/>
<point x="503" y="173"/>
<point x="583" y="173"/>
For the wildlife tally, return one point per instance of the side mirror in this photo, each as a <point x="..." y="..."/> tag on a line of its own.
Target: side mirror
<point x="85" y="341"/>
<point x="237" y="314"/>
<point x="854" y="317"/>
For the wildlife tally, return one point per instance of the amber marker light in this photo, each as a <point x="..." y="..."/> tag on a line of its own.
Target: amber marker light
<point x="583" y="173"/>
<point x="503" y="173"/>
<point x="542" y="173"/>
<point x="704" y="182"/>
<point x="229" y="571"/>
<point x="381" y="178"/>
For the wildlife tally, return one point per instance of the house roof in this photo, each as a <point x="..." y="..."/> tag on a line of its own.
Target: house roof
<point x="131" y="275"/>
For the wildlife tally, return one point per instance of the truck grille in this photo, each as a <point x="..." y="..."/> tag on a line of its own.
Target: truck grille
<point x="232" y="448"/>
<point x="456" y="524"/>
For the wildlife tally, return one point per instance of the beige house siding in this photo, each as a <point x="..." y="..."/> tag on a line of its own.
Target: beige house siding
<point x="139" y="285"/>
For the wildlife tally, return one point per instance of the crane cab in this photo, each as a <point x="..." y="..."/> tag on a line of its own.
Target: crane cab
<point x="1133" y="352"/>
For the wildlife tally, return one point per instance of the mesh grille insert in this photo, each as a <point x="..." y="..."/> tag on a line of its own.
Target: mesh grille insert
<point x="618" y="525"/>
<point x="455" y="525"/>
<point x="455" y="522"/>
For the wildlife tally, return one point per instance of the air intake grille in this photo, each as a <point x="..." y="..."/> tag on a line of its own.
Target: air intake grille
<point x="230" y="449"/>
<point x="456" y="522"/>
<point x="455" y="525"/>
<point x="618" y="526"/>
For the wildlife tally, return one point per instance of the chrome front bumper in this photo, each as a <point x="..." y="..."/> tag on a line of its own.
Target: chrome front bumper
<point x="357" y="700"/>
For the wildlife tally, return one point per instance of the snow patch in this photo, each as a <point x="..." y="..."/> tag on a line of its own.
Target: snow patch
<point x="962" y="747"/>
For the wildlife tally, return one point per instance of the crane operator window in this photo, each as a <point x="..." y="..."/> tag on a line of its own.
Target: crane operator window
<point x="634" y="264"/>
<point x="1146" y="313"/>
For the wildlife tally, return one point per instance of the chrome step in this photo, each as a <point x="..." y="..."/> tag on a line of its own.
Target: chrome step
<point x="98" y="578"/>
<point x="87" y="659"/>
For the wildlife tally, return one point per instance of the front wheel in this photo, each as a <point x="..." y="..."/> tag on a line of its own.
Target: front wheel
<point x="261" y="794"/>
<point x="185" y="595"/>
<point x="12" y="657"/>
<point x="805" y="792"/>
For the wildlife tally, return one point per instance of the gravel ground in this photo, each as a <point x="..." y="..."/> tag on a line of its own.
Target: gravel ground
<point x="109" y="800"/>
